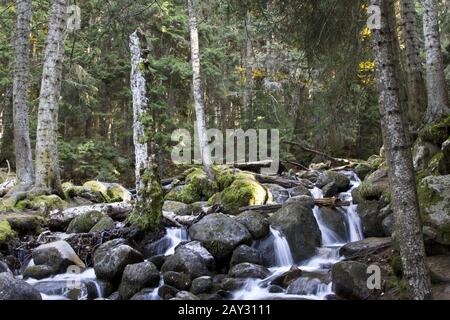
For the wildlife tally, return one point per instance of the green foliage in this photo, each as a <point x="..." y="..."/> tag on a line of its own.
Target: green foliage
<point x="6" y="233"/>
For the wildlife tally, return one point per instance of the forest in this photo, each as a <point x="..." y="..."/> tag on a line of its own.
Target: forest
<point x="224" y="150"/>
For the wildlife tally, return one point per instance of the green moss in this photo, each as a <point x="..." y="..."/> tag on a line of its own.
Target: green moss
<point x="118" y="193"/>
<point x="401" y="287"/>
<point x="105" y="223"/>
<point x="84" y="222"/>
<point x="427" y="197"/>
<point x="46" y="203"/>
<point x="188" y="194"/>
<point x="369" y="191"/>
<point x="99" y="188"/>
<point x="375" y="162"/>
<point x="8" y="205"/>
<point x="363" y="169"/>
<point x="241" y="193"/>
<point x="215" y="199"/>
<point x="436" y="133"/>
<point x="6" y="233"/>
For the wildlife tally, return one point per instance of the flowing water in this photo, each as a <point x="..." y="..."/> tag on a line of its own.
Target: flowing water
<point x="314" y="284"/>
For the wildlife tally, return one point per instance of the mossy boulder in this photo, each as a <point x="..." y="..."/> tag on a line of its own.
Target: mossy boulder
<point x="85" y="222"/>
<point x="6" y="232"/>
<point x="178" y="208"/>
<point x="103" y="224"/>
<point x="436" y="133"/>
<point x="434" y="200"/>
<point x="43" y="203"/>
<point x="26" y="223"/>
<point x="241" y="193"/>
<point x="363" y="169"/>
<point x="117" y="193"/>
<point x="38" y="272"/>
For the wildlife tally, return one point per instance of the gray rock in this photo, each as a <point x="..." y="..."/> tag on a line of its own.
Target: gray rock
<point x="103" y="224"/>
<point x="439" y="268"/>
<point x="16" y="289"/>
<point x="144" y="294"/>
<point x="187" y="261"/>
<point x="340" y="180"/>
<point x="388" y="225"/>
<point x="441" y="292"/>
<point x="178" y="208"/>
<point x="220" y="234"/>
<point x="58" y="255"/>
<point x="306" y="201"/>
<point x="197" y="247"/>
<point x="136" y="277"/>
<point x="305" y="286"/>
<point x="167" y="292"/>
<point x="300" y="191"/>
<point x="38" y="272"/>
<point x="330" y="190"/>
<point x="255" y="222"/>
<point x="350" y="280"/>
<point x="372" y="217"/>
<point x="278" y="193"/>
<point x="184" y="295"/>
<point x="232" y="284"/>
<point x="244" y="253"/>
<point x="84" y="222"/>
<point x="298" y="225"/>
<point x="111" y="258"/>
<point x="201" y="285"/>
<point x="365" y="247"/>
<point x="285" y="279"/>
<point x="249" y="270"/>
<point x="178" y="280"/>
<point x="335" y="219"/>
<point x="423" y="151"/>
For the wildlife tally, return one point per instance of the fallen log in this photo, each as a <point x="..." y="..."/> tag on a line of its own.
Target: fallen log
<point x="6" y="186"/>
<point x="324" y="202"/>
<point x="179" y="221"/>
<point x="320" y="153"/>
<point x="296" y="164"/>
<point x="116" y="210"/>
<point x="284" y="182"/>
<point x="254" y="166"/>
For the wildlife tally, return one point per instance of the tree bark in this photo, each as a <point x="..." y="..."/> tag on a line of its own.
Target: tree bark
<point x="6" y="148"/>
<point x="415" y="86"/>
<point x="438" y="105"/>
<point x="22" y="144"/>
<point x="197" y="91"/>
<point x="47" y="164"/>
<point x="398" y="152"/>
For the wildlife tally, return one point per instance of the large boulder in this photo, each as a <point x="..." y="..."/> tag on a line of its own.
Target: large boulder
<point x="188" y="261"/>
<point x="110" y="192"/>
<point x="341" y="181"/>
<point x="335" y="219"/>
<point x="423" y="152"/>
<point x="255" y="222"/>
<point x="286" y="278"/>
<point x="277" y="194"/>
<point x="58" y="255"/>
<point x="299" y="191"/>
<point x="244" y="253"/>
<point x="136" y="277"/>
<point x="16" y="289"/>
<point x="179" y="280"/>
<point x="38" y="272"/>
<point x="105" y="223"/>
<point x="249" y="270"/>
<point x="111" y="258"/>
<point x="245" y="191"/>
<point x="84" y="222"/>
<point x="201" y="285"/>
<point x="198" y="248"/>
<point x="439" y="267"/>
<point x="178" y="208"/>
<point x="434" y="200"/>
<point x="350" y="280"/>
<point x="365" y="247"/>
<point x="298" y="225"/>
<point x="372" y="215"/>
<point x="220" y="234"/>
<point x="305" y="286"/>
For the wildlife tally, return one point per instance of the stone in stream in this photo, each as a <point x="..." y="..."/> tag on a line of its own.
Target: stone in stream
<point x="244" y="253"/>
<point x="84" y="222"/>
<point x="249" y="270"/>
<point x="144" y="294"/>
<point x="201" y="285"/>
<point x="16" y="289"/>
<point x="38" y="272"/>
<point x="188" y="261"/>
<point x="197" y="247"/>
<point x="111" y="258"/>
<point x="341" y="182"/>
<point x="58" y="255"/>
<point x="277" y="193"/>
<point x="297" y="223"/>
<point x="255" y="223"/>
<point x="285" y="279"/>
<point x="158" y="260"/>
<point x="439" y="267"/>
<point x="178" y="280"/>
<point x="307" y="201"/>
<point x="185" y="295"/>
<point x="365" y="247"/>
<point x="350" y="280"/>
<point x="220" y="234"/>
<point x="300" y="191"/>
<point x="372" y="217"/>
<point x="179" y="208"/>
<point x="330" y="190"/>
<point x="167" y="292"/>
<point x="335" y="219"/>
<point x="305" y="286"/>
<point x="232" y="284"/>
<point x="136" y="277"/>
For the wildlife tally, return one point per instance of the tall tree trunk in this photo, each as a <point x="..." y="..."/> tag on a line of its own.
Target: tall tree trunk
<point x="6" y="147"/>
<point x="415" y="86"/>
<point x="197" y="91"/>
<point x="248" y="94"/>
<point x="436" y="86"/>
<point x="148" y="208"/>
<point x="47" y="164"/>
<point x="22" y="145"/>
<point x="401" y="173"/>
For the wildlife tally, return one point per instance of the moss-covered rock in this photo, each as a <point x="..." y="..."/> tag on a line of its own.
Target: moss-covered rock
<point x="434" y="200"/>
<point x="436" y="133"/>
<point x="242" y="192"/>
<point x="47" y="203"/>
<point x="103" y="224"/>
<point x="118" y="193"/>
<point x="84" y="222"/>
<point x="6" y="232"/>
<point x="98" y="187"/>
<point x="363" y="169"/>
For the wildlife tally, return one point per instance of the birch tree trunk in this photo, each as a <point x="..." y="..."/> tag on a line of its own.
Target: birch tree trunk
<point x="401" y="174"/>
<point x="22" y="145"/>
<point x="438" y="105"/>
<point x="47" y="164"/>
<point x="197" y="91"/>
<point x="415" y="86"/>
<point x="147" y="212"/>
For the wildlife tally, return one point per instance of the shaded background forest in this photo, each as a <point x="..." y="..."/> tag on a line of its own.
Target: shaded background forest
<point x="303" y="67"/>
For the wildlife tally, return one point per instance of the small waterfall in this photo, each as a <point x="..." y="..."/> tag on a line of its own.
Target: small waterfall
<point x="283" y="255"/>
<point x="355" y="232"/>
<point x="174" y="236"/>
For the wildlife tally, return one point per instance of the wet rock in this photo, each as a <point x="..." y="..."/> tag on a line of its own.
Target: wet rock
<point x="255" y="223"/>
<point x="306" y="286"/>
<point x="300" y="191"/>
<point x="439" y="267"/>
<point x="38" y="272"/>
<point x="220" y="234"/>
<point x="115" y="296"/>
<point x="136" y="277"/>
<point x="306" y="201"/>
<point x="341" y="182"/>
<point x="277" y="193"/>
<point x="232" y="284"/>
<point x="16" y="289"/>
<point x="441" y="292"/>
<point x="58" y="255"/>
<point x="335" y="219"/>
<point x="350" y="280"/>
<point x="179" y="208"/>
<point x="167" y="292"/>
<point x="388" y="225"/>
<point x="365" y="247"/>
<point x="298" y="225"/>
<point x="197" y="247"/>
<point x="249" y="270"/>
<point x="158" y="260"/>
<point x="330" y="190"/>
<point x="275" y="289"/>
<point x="372" y="217"/>
<point x="144" y="294"/>
<point x="83" y="223"/>
<point x="25" y="224"/>
<point x="285" y="279"/>
<point x="244" y="253"/>
<point x="111" y="258"/>
<point x="187" y="261"/>
<point x="184" y="295"/>
<point x="105" y="223"/>
<point x="210" y="296"/>
<point x="178" y="280"/>
<point x="201" y="285"/>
